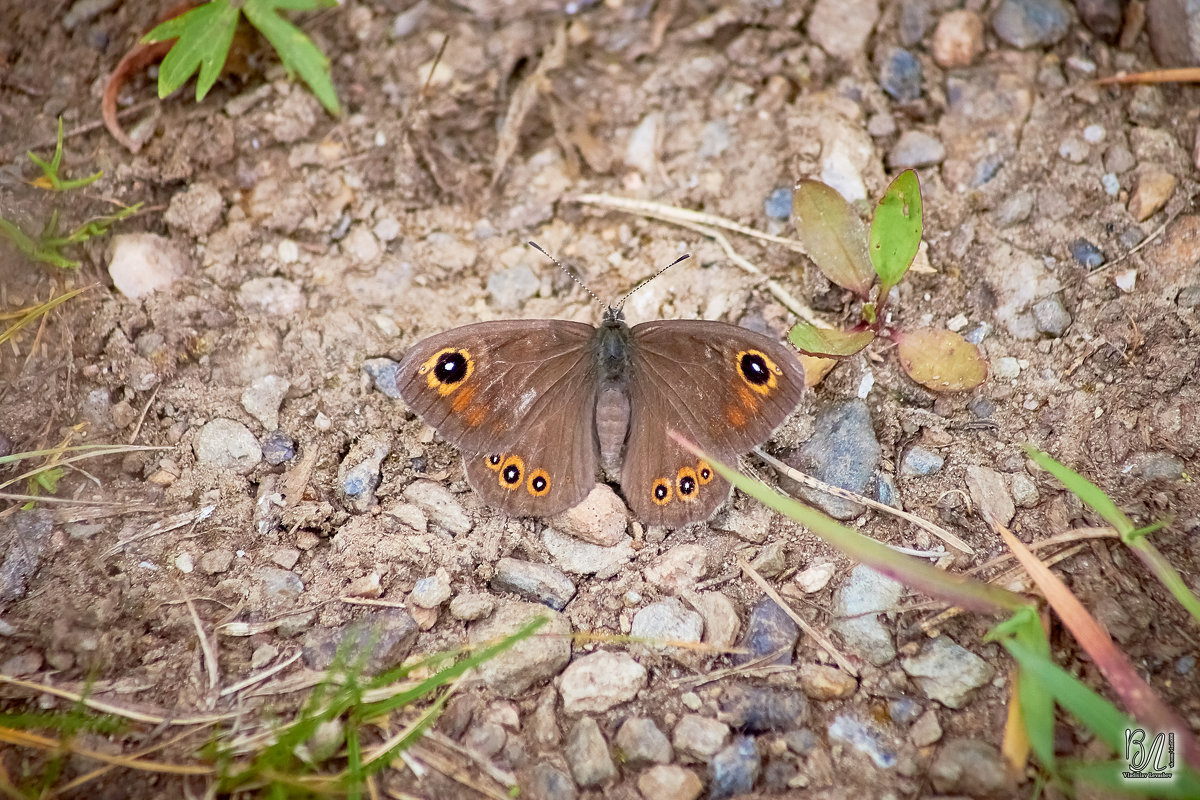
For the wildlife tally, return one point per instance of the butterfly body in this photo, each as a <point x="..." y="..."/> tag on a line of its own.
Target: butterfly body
<point x="537" y="406"/>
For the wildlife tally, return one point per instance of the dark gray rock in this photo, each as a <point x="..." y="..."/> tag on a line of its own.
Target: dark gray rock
<point x="762" y="709"/>
<point x="541" y="583"/>
<point x="734" y="770"/>
<point x="1031" y="23"/>
<point x="381" y="638"/>
<point x="769" y="630"/>
<point x="843" y="451"/>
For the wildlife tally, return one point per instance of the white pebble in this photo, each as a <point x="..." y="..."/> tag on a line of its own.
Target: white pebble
<point x="1094" y="134"/>
<point x="1125" y="279"/>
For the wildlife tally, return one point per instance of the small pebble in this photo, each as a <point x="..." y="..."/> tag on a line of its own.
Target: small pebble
<point x="916" y="149"/>
<point x="431" y="591"/>
<point x="1118" y="159"/>
<point x="278" y="448"/>
<point x="958" y="39"/>
<point x="947" y="672"/>
<point x="144" y="263"/>
<point x="816" y="577"/>
<point x="1050" y="317"/>
<point x="1111" y="184"/>
<point x="1154" y="188"/>
<point x="698" y="737"/>
<point x="440" y="505"/>
<point x="468" y="607"/>
<point x="383" y="375"/>
<point x="1125" y="279"/>
<point x="669" y="782"/>
<point x="183" y="563"/>
<point x="900" y="75"/>
<point x="227" y="444"/>
<point x="215" y="562"/>
<point x="587" y="754"/>
<point x="926" y="730"/>
<point x="779" y="204"/>
<point x="540" y="583"/>
<point x="640" y="741"/>
<point x="769" y="630"/>
<point x="1073" y="150"/>
<point x="734" y="770"/>
<point x="1086" y="253"/>
<point x="1031" y="23"/>
<point x="850" y="731"/>
<point x="1094" y="134"/>
<point x="921" y="462"/>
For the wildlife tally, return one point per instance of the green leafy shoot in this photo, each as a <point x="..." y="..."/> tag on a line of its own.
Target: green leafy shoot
<point x="1133" y="537"/>
<point x="49" y="244"/>
<point x="896" y="230"/>
<point x="828" y="342"/>
<point x="50" y="178"/>
<point x="45" y="480"/>
<point x="834" y="237"/>
<point x="206" y="32"/>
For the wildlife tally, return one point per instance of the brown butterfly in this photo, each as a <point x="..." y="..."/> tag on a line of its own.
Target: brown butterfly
<point x="537" y="405"/>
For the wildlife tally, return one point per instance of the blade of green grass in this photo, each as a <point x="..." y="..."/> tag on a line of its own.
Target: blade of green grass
<point x="1132" y="537"/>
<point x="961" y="591"/>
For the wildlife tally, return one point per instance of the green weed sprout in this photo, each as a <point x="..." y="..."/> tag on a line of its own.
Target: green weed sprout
<point x="859" y="260"/>
<point x="48" y="246"/>
<point x="205" y="33"/>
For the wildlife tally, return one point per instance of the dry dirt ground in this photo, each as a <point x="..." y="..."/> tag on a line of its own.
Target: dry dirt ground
<point x="309" y="245"/>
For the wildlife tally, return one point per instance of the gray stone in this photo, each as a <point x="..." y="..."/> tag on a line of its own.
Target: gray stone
<point x="383" y="375"/>
<point x="900" y="74"/>
<point x="227" y="444"/>
<point x="431" y="591"/>
<point x="380" y="638"/>
<point x="916" y="149"/>
<point x="1031" y="23"/>
<point x="470" y="607"/>
<point x="640" y="741"/>
<point x="970" y="767"/>
<point x="530" y="661"/>
<point x="215" y="562"/>
<point x="262" y="399"/>
<point x="547" y="782"/>
<point x="600" y="681"/>
<point x="926" y="730"/>
<point x="278" y="585"/>
<point x="581" y="558"/>
<point x="669" y="782"/>
<point x="843" y="452"/>
<point x="921" y="462"/>
<point x="769" y="630"/>
<point x="734" y="770"/>
<point x="1050" y="317"/>
<point x="541" y="583"/>
<point x="278" y="448"/>
<point x="947" y="672"/>
<point x="667" y="621"/>
<point x="587" y="754"/>
<point x="25" y="542"/>
<point x="842" y="27"/>
<point x="698" y="737"/>
<point x="855" y="607"/>
<point x="1024" y="491"/>
<point x="440" y="506"/>
<point x="360" y="474"/>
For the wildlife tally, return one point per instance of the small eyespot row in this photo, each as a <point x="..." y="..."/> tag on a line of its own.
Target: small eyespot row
<point x="511" y="474"/>
<point x="447" y="369"/>
<point x="685" y="487"/>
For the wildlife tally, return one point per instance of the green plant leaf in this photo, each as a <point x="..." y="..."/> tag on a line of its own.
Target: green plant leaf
<point x="940" y="360"/>
<point x="827" y="342"/>
<point x="834" y="236"/>
<point x="204" y="35"/>
<point x="1037" y="703"/>
<point x="896" y="230"/>
<point x="296" y="51"/>
<point x="50" y="178"/>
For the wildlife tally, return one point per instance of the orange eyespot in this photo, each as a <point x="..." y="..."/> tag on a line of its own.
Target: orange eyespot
<point x="686" y="484"/>
<point x="758" y="371"/>
<point x="660" y="491"/>
<point x="446" y="369"/>
<point x="493" y="461"/>
<point x="704" y="473"/>
<point x="512" y="472"/>
<point x="539" y="483"/>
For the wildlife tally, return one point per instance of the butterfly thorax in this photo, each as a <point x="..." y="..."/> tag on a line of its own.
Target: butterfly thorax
<point x="613" y="343"/>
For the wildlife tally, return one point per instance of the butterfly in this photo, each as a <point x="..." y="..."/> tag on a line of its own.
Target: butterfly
<point x="537" y="405"/>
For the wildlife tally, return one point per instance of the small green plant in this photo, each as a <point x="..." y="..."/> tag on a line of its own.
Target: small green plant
<point x="50" y="178"/>
<point x="870" y="264"/>
<point x="48" y="246"/>
<point x="205" y="33"/>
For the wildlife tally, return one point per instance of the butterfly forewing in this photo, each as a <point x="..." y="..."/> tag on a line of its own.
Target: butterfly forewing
<point x="722" y="387"/>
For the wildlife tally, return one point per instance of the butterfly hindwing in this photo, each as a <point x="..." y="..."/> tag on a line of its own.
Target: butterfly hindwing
<point x="518" y="398"/>
<point x="722" y="387"/>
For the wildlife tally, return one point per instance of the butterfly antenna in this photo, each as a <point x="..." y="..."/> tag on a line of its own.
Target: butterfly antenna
<point x="683" y="257"/>
<point x="570" y="274"/>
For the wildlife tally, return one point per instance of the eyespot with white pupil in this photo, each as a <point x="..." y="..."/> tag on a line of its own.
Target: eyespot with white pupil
<point x="660" y="491"/>
<point x="759" y="372"/>
<point x="685" y="484"/>
<point x="493" y="461"/>
<point x="539" y="483"/>
<point x="512" y="472"/>
<point x="451" y="368"/>
<point x="704" y="472"/>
